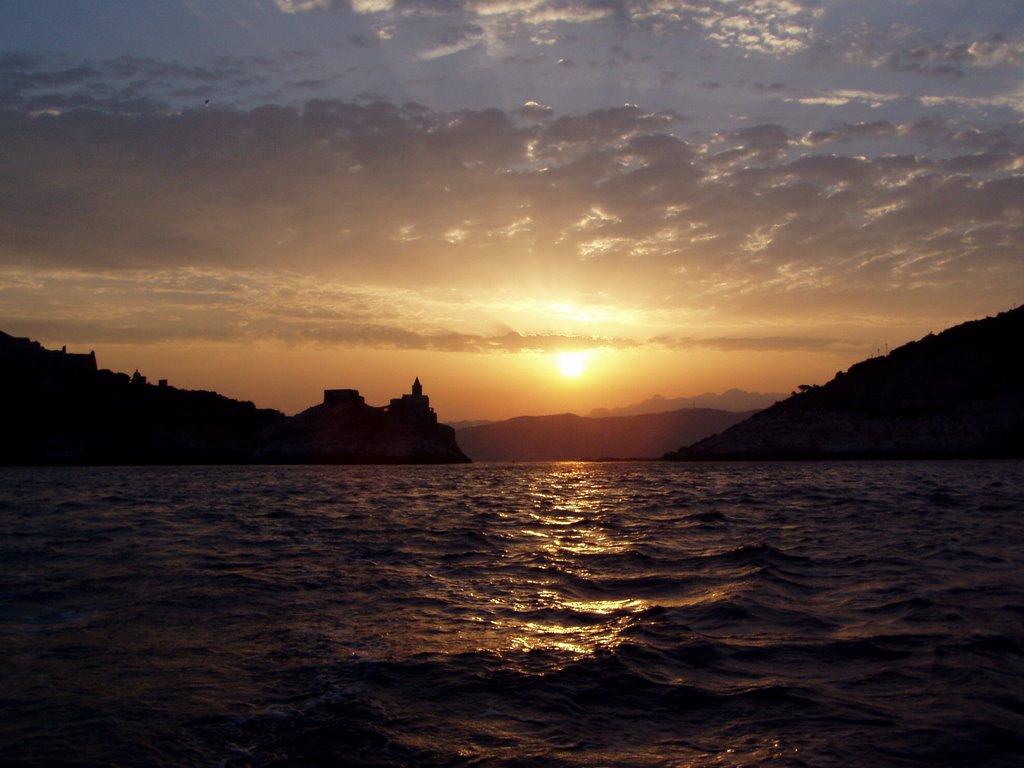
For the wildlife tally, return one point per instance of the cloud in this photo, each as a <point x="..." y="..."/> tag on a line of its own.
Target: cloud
<point x="535" y="110"/>
<point x="995" y="51"/>
<point x="138" y="85"/>
<point x="400" y="225"/>
<point x="189" y="304"/>
<point x="300" y="6"/>
<point x="763" y="27"/>
<point x="197" y="305"/>
<point x="758" y="343"/>
<point x="900" y="39"/>
<point x="372" y="6"/>
<point x="454" y="40"/>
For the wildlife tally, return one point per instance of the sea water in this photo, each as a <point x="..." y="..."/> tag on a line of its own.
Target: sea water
<point x="618" y="614"/>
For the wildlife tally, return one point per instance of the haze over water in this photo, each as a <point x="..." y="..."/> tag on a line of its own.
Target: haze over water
<point x="496" y="615"/>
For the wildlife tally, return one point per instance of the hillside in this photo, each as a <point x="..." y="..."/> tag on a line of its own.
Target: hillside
<point x="956" y="394"/>
<point x="568" y="437"/>
<point x="60" y="408"/>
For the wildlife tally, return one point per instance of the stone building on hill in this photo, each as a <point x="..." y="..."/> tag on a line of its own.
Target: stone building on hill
<point x="415" y="404"/>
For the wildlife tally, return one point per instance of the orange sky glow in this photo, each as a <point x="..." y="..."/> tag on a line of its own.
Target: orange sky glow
<point x="268" y="199"/>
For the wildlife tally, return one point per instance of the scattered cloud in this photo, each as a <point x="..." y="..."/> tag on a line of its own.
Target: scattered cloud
<point x="905" y="49"/>
<point x="758" y="343"/>
<point x="202" y="305"/>
<point x="419" y="204"/>
<point x="299" y="6"/>
<point x="638" y="160"/>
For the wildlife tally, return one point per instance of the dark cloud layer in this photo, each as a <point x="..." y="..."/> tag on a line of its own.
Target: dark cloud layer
<point x="617" y="207"/>
<point x="412" y="174"/>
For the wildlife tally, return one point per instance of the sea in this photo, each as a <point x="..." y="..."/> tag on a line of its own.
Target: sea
<point x="555" y="614"/>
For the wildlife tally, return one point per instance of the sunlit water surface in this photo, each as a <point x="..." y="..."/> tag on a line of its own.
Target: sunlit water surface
<point x="514" y="615"/>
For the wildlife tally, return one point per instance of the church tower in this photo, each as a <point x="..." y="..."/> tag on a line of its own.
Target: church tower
<point x="415" y="405"/>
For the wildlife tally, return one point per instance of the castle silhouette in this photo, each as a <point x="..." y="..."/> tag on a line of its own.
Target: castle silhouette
<point x="414" y="405"/>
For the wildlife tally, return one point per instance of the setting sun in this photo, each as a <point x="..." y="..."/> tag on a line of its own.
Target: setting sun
<point x="572" y="364"/>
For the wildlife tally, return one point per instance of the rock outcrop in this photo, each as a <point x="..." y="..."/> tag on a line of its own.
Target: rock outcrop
<point x="956" y="394"/>
<point x="344" y="430"/>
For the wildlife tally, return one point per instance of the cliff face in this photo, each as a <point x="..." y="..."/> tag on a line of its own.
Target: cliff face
<point x="568" y="437"/>
<point x="956" y="394"/>
<point x="57" y="408"/>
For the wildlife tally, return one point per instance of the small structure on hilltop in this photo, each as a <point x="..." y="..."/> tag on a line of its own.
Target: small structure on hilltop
<point x="58" y="408"/>
<point x="344" y="398"/>
<point x="345" y="430"/>
<point x="51" y="365"/>
<point x="415" y="404"/>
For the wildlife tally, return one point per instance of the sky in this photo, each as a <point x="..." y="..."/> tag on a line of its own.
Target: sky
<point x="535" y="206"/>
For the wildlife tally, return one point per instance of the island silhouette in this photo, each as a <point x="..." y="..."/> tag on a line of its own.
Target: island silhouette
<point x="59" y="407"/>
<point x="345" y="430"/>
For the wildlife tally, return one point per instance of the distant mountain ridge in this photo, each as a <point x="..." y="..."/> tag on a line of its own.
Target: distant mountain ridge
<point x="568" y="437"/>
<point x="730" y="400"/>
<point x="956" y="394"/>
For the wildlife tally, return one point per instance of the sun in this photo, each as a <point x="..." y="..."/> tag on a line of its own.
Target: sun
<point x="572" y="364"/>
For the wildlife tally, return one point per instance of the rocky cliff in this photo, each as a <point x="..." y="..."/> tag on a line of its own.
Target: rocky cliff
<point x="956" y="394"/>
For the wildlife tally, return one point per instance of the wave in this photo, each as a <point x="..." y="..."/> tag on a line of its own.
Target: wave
<point x="628" y="615"/>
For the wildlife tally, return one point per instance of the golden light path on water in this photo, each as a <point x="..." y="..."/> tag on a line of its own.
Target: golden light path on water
<point x="578" y="615"/>
<point x="565" y="525"/>
<point x="573" y="517"/>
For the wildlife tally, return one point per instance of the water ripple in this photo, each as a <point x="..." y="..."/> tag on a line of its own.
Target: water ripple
<point x="510" y="615"/>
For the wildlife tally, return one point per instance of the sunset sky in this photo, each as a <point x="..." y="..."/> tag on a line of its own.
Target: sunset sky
<point x="271" y="197"/>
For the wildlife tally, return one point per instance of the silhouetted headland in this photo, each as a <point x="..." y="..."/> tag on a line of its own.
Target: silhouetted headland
<point x="958" y="394"/>
<point x="345" y="430"/>
<point x="60" y="408"/>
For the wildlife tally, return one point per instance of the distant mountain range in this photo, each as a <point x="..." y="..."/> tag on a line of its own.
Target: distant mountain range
<point x="730" y="400"/>
<point x="956" y="394"/>
<point x="568" y="437"/>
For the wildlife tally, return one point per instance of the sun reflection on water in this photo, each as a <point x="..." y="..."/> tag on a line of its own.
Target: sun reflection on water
<point x="578" y="638"/>
<point x="567" y="525"/>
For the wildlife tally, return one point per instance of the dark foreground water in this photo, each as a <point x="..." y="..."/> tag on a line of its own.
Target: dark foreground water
<point x="514" y="615"/>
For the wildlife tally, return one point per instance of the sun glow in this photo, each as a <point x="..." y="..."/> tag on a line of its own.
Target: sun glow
<point x="572" y="364"/>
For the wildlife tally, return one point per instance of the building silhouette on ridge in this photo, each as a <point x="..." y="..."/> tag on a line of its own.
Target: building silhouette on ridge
<point x="414" y="405"/>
